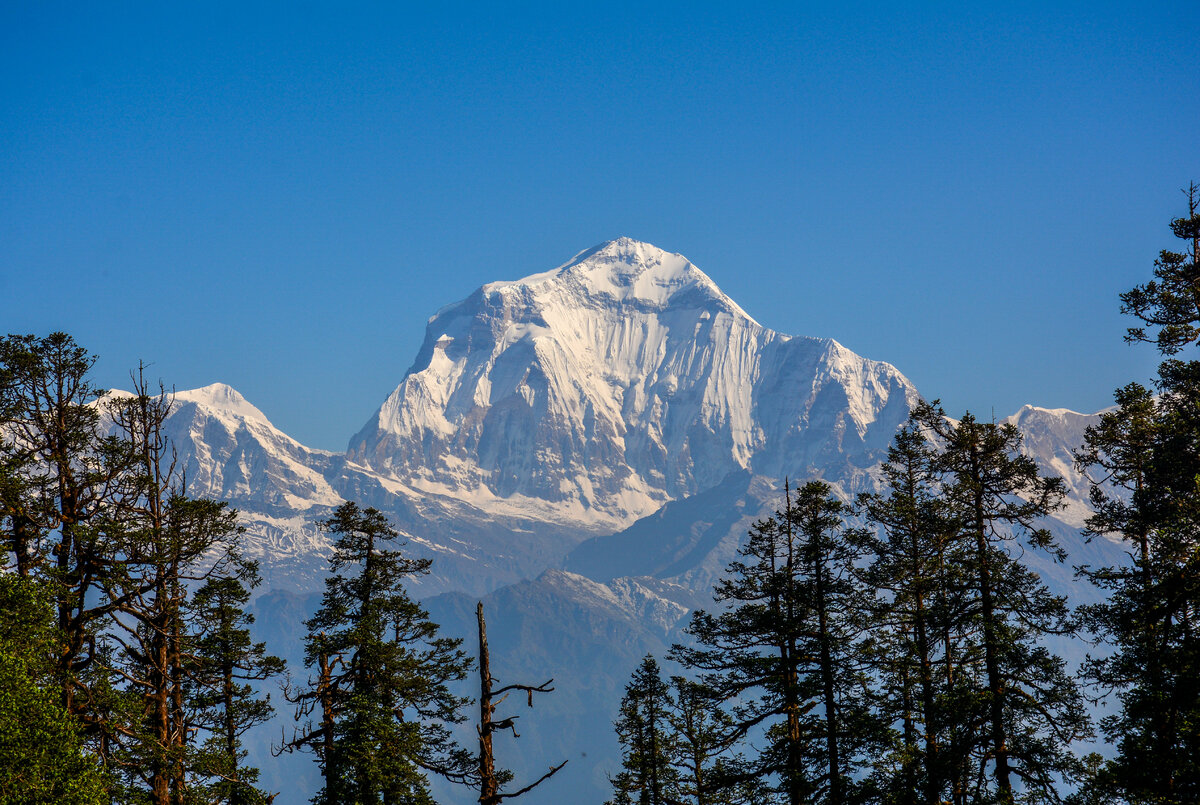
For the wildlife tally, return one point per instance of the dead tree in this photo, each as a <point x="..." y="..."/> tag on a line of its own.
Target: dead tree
<point x="489" y="780"/>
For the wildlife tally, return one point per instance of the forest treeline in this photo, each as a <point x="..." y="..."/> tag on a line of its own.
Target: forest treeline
<point x="895" y="650"/>
<point x="892" y="649"/>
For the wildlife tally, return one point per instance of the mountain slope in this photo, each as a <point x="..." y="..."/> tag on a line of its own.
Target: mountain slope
<point x="599" y="391"/>
<point x="585" y="448"/>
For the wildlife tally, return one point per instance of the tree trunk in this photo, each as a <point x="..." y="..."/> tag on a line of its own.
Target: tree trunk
<point x="489" y="791"/>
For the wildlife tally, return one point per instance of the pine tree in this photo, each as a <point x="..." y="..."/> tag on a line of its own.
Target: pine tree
<point x="166" y="541"/>
<point x="1171" y="301"/>
<point x="222" y="696"/>
<point x="920" y="633"/>
<point x="59" y="474"/>
<point x="376" y="715"/>
<point x="1147" y="447"/>
<point x="707" y="771"/>
<point x="786" y="647"/>
<point x="1032" y="710"/>
<point x="647" y="776"/>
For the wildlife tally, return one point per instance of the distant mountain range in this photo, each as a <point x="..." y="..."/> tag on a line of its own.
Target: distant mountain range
<point x="585" y="447"/>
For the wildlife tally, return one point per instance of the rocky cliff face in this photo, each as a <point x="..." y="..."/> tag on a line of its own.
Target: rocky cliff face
<point x="624" y="379"/>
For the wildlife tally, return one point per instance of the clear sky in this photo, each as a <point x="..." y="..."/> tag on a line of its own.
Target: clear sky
<point x="279" y="196"/>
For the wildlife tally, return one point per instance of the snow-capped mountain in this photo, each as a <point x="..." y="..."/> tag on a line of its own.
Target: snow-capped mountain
<point x="597" y="392"/>
<point x="568" y="405"/>
<point x="584" y="449"/>
<point x="1051" y="437"/>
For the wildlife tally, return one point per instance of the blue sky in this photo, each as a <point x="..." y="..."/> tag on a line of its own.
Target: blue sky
<point x="278" y="196"/>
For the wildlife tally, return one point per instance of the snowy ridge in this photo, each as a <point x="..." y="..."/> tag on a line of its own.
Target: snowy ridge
<point x="1051" y="435"/>
<point x="568" y="406"/>
<point x="619" y="381"/>
<point x="233" y="452"/>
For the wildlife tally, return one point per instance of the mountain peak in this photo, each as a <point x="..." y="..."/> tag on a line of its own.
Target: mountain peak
<point x="598" y="390"/>
<point x="626" y="271"/>
<point x="223" y="398"/>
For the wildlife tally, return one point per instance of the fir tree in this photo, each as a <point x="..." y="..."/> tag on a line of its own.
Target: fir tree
<point x="1147" y="447"/>
<point x="647" y="776"/>
<point x="60" y="475"/>
<point x="786" y="646"/>
<point x="377" y="712"/>
<point x="222" y="698"/>
<point x="1031" y="709"/>
<point x="707" y="770"/>
<point x="920" y="634"/>
<point x="166" y="542"/>
<point x="1171" y="301"/>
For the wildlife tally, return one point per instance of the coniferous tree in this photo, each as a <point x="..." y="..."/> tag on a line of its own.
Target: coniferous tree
<point x="847" y="727"/>
<point x="786" y="649"/>
<point x="921" y="636"/>
<point x="647" y="776"/>
<point x="1147" y="447"/>
<point x="1031" y="710"/>
<point x="222" y="696"/>
<point x="707" y="770"/>
<point x="751" y="653"/>
<point x="42" y="758"/>
<point x="93" y="513"/>
<point x="377" y="712"/>
<point x="59" y="473"/>
<point x="1171" y="301"/>
<point x="167" y="541"/>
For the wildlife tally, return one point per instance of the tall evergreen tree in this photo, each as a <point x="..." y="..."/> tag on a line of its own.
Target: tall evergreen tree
<point x="922" y="635"/>
<point x="1171" y="301"/>
<point x="1031" y="709"/>
<point x="222" y="695"/>
<point x="707" y="769"/>
<point x="60" y="473"/>
<point x="166" y="542"/>
<point x="647" y="776"/>
<point x="1149" y="447"/>
<point x="376" y="714"/>
<point x="93" y="512"/>
<point x="786" y="648"/>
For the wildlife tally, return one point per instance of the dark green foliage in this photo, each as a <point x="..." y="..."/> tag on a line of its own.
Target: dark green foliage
<point x="707" y="771"/>
<point x="921" y="640"/>
<point x="223" y="699"/>
<point x="1023" y="710"/>
<point x="167" y="541"/>
<point x="377" y="711"/>
<point x="91" y="508"/>
<point x="1171" y="301"/>
<point x="647" y="776"/>
<point x="677" y="746"/>
<point x="60" y="475"/>
<point x="786" y="651"/>
<point x="42" y="761"/>
<point x="1149" y="448"/>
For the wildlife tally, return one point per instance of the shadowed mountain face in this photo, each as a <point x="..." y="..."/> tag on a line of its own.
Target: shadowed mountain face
<point x="584" y="449"/>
